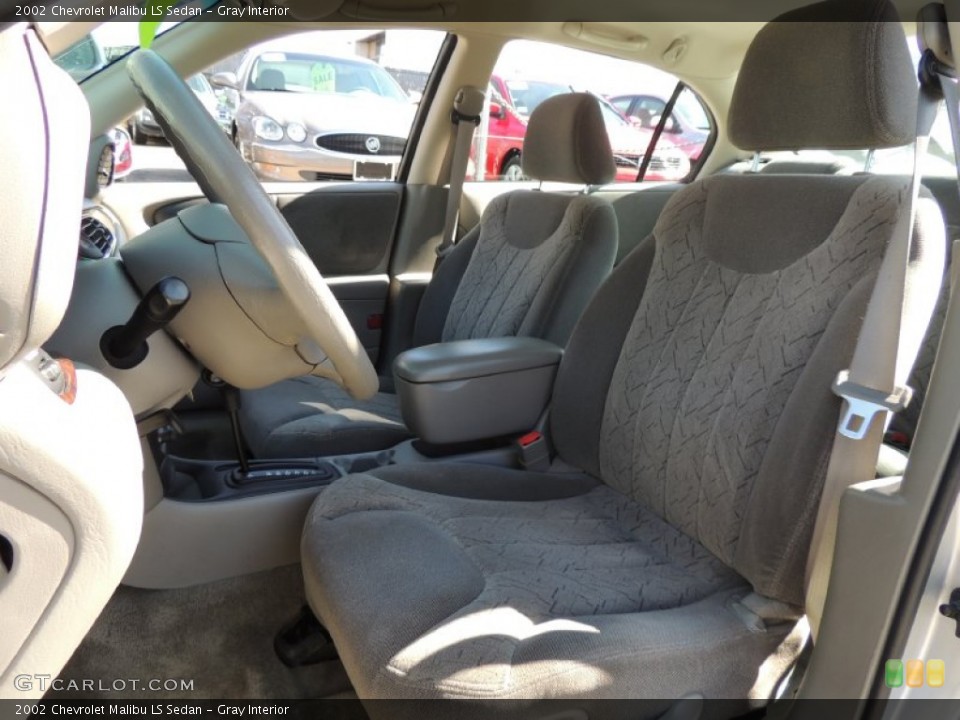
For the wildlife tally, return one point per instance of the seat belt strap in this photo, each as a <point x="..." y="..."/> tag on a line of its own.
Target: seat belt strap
<point x="875" y="384"/>
<point x="467" y="116"/>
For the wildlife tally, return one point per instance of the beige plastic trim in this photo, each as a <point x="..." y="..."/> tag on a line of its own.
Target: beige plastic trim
<point x="185" y="544"/>
<point x="42" y="541"/>
<point x="82" y="505"/>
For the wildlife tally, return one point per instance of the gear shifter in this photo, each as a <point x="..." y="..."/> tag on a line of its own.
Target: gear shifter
<point x="125" y="346"/>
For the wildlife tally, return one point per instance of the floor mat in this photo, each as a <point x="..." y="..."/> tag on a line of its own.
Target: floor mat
<point x="220" y="636"/>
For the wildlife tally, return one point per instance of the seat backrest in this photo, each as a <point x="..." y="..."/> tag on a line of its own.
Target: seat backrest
<point x="70" y="515"/>
<point x="536" y="258"/>
<point x="271" y="79"/>
<point x="699" y="380"/>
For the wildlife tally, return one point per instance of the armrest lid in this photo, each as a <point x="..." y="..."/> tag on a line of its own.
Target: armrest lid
<point x="465" y="359"/>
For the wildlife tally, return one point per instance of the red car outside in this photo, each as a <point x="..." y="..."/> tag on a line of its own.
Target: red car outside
<point x="513" y="100"/>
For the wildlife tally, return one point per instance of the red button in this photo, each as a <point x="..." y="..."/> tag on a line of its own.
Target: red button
<point x="530" y="438"/>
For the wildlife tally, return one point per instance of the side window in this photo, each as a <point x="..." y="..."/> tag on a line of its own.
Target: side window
<point x="632" y="98"/>
<point x="327" y="105"/>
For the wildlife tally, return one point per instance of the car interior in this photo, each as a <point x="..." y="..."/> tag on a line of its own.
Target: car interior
<point x="524" y="447"/>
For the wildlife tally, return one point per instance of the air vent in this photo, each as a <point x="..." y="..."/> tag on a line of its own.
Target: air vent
<point x="96" y="239"/>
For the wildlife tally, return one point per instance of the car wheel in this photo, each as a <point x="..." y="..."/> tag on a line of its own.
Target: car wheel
<point x="513" y="170"/>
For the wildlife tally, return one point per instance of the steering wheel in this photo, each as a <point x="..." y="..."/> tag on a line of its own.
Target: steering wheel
<point x="224" y="177"/>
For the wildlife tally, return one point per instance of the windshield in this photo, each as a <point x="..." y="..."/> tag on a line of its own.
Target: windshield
<point x="611" y="118"/>
<point x="526" y="95"/>
<point x="301" y="73"/>
<point x="200" y="85"/>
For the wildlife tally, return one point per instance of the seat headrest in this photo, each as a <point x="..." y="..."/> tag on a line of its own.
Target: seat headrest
<point x="567" y="142"/>
<point x="835" y="75"/>
<point x="271" y="80"/>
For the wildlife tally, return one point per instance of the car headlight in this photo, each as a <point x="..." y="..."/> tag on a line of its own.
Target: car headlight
<point x="296" y="132"/>
<point x="267" y="128"/>
<point x="146" y="115"/>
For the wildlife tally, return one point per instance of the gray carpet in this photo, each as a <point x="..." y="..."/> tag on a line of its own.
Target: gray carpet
<point x="218" y="635"/>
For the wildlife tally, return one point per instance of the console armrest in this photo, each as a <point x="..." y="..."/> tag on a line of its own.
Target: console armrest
<point x="470" y="390"/>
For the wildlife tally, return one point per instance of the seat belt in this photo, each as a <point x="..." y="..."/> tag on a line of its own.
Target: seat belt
<point x="466" y="116"/>
<point x="875" y="385"/>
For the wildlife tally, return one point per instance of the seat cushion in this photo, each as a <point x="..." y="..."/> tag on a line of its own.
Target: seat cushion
<point x="484" y="583"/>
<point x="312" y="417"/>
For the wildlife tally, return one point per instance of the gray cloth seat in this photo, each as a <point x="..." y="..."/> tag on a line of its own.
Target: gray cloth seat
<point x="692" y="416"/>
<point x="490" y="597"/>
<point x="528" y="269"/>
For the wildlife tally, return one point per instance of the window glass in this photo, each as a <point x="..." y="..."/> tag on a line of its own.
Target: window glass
<point x="632" y="99"/>
<point x="939" y="161"/>
<point x="316" y="106"/>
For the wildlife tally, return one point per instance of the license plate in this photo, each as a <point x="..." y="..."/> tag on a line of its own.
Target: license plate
<point x="370" y="170"/>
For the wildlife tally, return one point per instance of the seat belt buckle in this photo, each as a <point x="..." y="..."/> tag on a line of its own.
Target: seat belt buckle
<point x="863" y="404"/>
<point x="534" y="452"/>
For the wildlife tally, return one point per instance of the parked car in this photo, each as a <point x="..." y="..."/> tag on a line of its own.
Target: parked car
<point x="512" y="101"/>
<point x="143" y="126"/>
<point x="302" y="116"/>
<point x="686" y="132"/>
<point x="122" y="153"/>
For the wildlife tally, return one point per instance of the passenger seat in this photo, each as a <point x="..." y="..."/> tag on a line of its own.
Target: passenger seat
<point x="528" y="269"/>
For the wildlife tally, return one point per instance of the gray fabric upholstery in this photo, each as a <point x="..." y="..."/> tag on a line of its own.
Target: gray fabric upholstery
<point x="724" y="359"/>
<point x="539" y="259"/>
<point x="567" y="141"/>
<point x="529" y="270"/>
<point x="587" y="595"/>
<point x="312" y="417"/>
<point x="435" y="304"/>
<point x="638" y="212"/>
<point x="835" y="85"/>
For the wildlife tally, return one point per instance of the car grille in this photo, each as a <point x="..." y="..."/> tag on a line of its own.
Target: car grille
<point x="356" y="144"/>
<point x="628" y="161"/>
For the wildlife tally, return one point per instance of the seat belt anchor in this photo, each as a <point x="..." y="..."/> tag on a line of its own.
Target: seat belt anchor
<point x="862" y="405"/>
<point x="457" y="117"/>
<point x="534" y="452"/>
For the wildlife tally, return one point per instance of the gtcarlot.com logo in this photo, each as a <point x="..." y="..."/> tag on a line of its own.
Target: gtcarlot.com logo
<point x="44" y="683"/>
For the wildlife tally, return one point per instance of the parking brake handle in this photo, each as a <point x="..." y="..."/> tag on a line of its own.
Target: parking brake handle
<point x="125" y="346"/>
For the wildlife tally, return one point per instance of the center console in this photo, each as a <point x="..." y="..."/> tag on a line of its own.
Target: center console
<point x="459" y="392"/>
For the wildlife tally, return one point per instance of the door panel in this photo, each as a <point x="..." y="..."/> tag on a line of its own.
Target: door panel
<point x="346" y="229"/>
<point x="364" y="300"/>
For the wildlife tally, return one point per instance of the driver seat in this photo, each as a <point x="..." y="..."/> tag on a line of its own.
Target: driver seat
<point x="528" y="269"/>
<point x="664" y="555"/>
